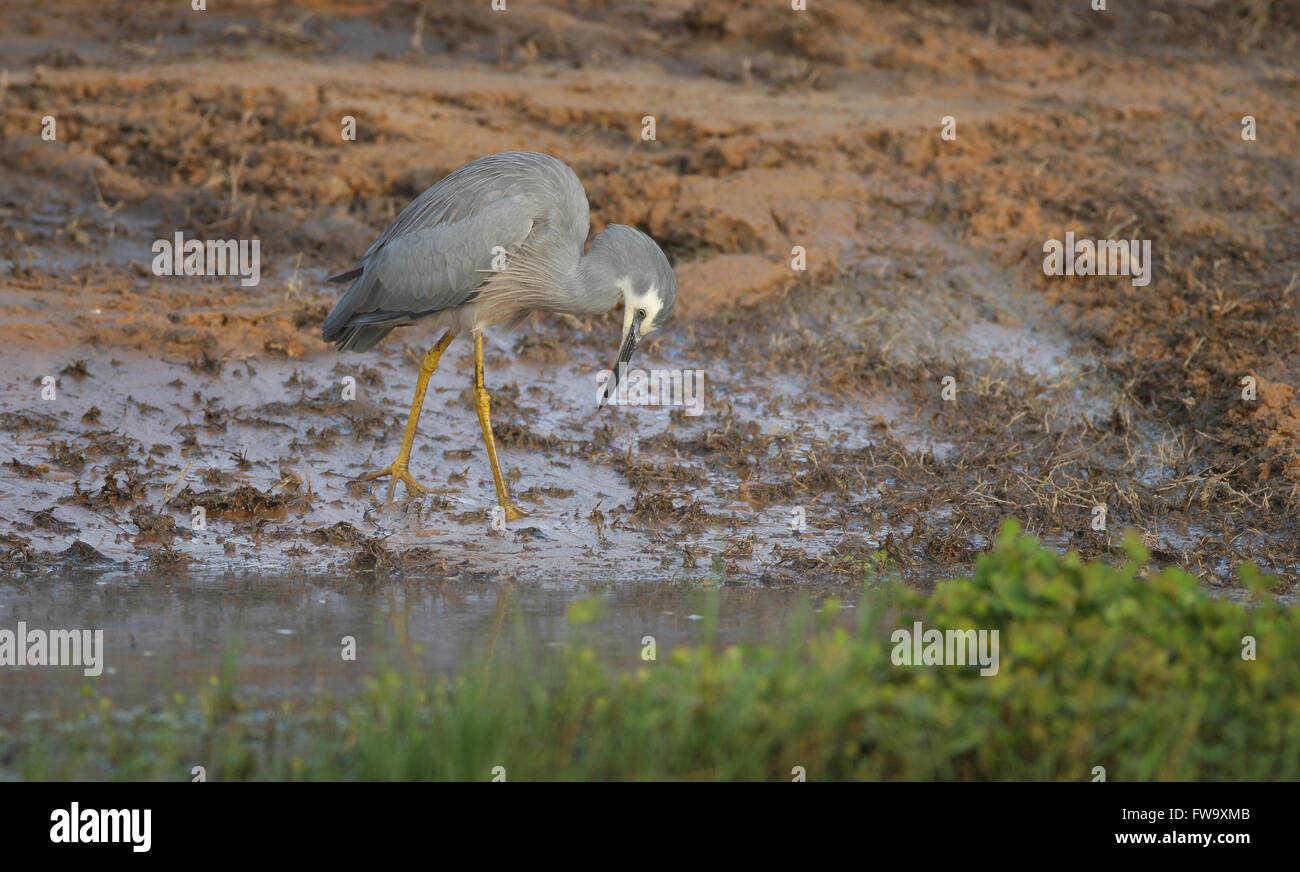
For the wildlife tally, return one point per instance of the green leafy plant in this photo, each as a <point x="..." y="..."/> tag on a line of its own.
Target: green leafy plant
<point x="1140" y="672"/>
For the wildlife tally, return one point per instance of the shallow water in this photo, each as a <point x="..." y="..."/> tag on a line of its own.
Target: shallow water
<point x="162" y="635"/>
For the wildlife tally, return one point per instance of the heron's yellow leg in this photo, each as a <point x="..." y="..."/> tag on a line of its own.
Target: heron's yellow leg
<point x="397" y="470"/>
<point x="482" y="401"/>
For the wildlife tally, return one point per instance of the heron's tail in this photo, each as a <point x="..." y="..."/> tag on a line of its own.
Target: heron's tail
<point x="341" y="325"/>
<point x="347" y="275"/>
<point x="356" y="323"/>
<point x="360" y="337"/>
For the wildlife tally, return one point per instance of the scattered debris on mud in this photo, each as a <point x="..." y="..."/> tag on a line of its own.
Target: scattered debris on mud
<point x="177" y="424"/>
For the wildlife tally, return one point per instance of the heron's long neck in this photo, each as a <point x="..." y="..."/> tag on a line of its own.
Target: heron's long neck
<point x="594" y="282"/>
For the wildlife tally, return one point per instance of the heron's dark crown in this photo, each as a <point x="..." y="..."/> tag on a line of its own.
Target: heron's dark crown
<point x="633" y="255"/>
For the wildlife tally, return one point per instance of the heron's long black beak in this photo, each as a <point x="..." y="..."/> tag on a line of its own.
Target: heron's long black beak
<point x="624" y="355"/>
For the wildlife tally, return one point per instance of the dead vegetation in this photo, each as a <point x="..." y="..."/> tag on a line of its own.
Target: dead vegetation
<point x="1108" y="125"/>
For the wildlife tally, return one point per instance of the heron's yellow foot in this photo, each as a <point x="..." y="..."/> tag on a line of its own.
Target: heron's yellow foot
<point x="398" y="472"/>
<point x="397" y="469"/>
<point x="483" y="405"/>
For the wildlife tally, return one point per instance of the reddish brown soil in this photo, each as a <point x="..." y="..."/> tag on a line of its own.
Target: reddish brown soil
<point x="775" y="129"/>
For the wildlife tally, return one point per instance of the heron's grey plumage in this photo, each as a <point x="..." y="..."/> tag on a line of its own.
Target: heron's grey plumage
<point x="436" y="260"/>
<point x="492" y="243"/>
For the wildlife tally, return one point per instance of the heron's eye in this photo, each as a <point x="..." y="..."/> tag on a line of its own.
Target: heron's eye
<point x="640" y="313"/>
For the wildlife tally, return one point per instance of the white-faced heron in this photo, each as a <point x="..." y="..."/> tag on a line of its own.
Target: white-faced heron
<point x="495" y="241"/>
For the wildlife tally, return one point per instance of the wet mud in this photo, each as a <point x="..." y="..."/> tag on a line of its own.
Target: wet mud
<point x="826" y="451"/>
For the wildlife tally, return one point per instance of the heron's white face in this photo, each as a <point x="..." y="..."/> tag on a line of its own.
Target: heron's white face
<point x="650" y="304"/>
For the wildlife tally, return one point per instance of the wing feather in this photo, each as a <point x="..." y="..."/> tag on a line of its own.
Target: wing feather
<point x="429" y="268"/>
<point x="439" y="250"/>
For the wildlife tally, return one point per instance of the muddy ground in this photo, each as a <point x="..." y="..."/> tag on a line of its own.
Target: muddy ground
<point x="774" y="129"/>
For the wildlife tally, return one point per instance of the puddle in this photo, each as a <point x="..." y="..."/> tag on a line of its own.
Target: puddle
<point x="162" y="634"/>
<point x="826" y="440"/>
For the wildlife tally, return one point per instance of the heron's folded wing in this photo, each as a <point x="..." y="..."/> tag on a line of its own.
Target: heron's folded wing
<point x="460" y="195"/>
<point x="426" y="269"/>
